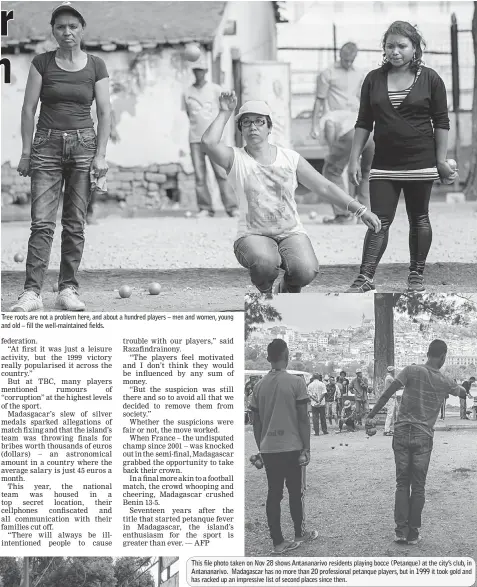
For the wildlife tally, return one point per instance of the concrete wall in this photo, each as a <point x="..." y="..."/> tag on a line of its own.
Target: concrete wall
<point x="365" y="23"/>
<point x="146" y="90"/>
<point x="151" y="129"/>
<point x="255" y="40"/>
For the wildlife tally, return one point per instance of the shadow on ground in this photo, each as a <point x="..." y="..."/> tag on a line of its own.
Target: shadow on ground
<point x="350" y="498"/>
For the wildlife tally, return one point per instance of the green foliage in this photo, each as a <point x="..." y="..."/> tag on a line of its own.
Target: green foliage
<point x="297" y="366"/>
<point x="10" y="572"/>
<point x="452" y="309"/>
<point x="72" y="571"/>
<point x="251" y="353"/>
<point x="132" y="567"/>
<point x="459" y="372"/>
<point x="97" y="571"/>
<point x="258" y="311"/>
<point x="260" y="364"/>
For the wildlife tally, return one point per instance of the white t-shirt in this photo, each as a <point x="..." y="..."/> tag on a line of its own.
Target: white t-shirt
<point x="202" y="106"/>
<point x="266" y="194"/>
<point x="316" y="389"/>
<point x="341" y="87"/>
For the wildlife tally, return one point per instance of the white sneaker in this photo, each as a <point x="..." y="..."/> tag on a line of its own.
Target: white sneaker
<point x="28" y="301"/>
<point x="68" y="299"/>
<point x="205" y="214"/>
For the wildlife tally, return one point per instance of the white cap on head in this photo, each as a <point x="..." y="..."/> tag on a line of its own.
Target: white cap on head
<point x="390" y="369"/>
<point x="201" y="63"/>
<point x="254" y="107"/>
<point x="359" y="371"/>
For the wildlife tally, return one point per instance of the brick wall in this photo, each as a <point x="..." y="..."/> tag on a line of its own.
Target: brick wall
<point x="135" y="187"/>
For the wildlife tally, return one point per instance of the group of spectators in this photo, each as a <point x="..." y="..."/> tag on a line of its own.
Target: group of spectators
<point x="329" y="399"/>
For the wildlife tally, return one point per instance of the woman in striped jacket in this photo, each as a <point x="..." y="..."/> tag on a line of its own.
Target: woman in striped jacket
<point x="406" y="105"/>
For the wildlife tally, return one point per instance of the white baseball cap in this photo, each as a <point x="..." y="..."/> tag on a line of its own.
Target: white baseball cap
<point x="254" y="107"/>
<point x="201" y="63"/>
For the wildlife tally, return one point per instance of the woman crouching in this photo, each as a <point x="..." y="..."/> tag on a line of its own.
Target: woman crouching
<point x="265" y="177"/>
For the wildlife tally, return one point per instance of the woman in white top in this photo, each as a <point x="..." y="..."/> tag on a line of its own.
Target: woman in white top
<point x="265" y="177"/>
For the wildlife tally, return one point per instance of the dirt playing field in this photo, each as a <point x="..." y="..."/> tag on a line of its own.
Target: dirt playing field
<point x="350" y="498"/>
<point x="194" y="261"/>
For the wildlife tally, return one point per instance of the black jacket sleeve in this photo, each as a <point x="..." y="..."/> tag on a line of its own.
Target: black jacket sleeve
<point x="439" y="111"/>
<point x="365" y="115"/>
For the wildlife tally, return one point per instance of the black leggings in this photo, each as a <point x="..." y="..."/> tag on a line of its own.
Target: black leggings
<point x="384" y="197"/>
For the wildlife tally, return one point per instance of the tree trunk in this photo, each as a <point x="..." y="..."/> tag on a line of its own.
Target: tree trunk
<point x="470" y="189"/>
<point x="383" y="339"/>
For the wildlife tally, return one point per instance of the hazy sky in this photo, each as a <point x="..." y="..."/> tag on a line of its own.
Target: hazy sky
<point x="308" y="312"/>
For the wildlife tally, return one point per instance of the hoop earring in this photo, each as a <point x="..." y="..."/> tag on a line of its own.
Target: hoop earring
<point x="385" y="59"/>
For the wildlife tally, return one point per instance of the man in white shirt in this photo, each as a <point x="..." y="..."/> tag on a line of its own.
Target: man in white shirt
<point x="201" y="103"/>
<point x="338" y="90"/>
<point x="317" y="394"/>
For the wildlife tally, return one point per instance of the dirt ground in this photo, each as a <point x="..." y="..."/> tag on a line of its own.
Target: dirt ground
<point x="350" y="498"/>
<point x="220" y="290"/>
<point x="194" y="262"/>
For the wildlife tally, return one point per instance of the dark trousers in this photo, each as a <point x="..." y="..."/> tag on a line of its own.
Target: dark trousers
<point x="283" y="467"/>
<point x="318" y="414"/>
<point x="463" y="408"/>
<point x="58" y="158"/>
<point x="384" y="197"/>
<point x="412" y="453"/>
<point x="350" y="424"/>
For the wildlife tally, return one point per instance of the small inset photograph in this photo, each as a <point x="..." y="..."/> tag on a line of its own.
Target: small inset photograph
<point x="360" y="418"/>
<point x="89" y="571"/>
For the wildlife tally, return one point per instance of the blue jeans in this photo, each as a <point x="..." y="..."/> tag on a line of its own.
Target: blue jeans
<point x="412" y="453"/>
<point x="58" y="158"/>
<point x="264" y="255"/>
<point x="204" y="199"/>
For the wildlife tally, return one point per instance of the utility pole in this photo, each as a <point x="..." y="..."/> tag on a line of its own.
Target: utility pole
<point x="26" y="571"/>
<point x="159" y="571"/>
<point x="456" y="90"/>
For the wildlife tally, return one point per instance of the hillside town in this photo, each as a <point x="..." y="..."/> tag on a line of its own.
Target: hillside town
<point x="354" y="346"/>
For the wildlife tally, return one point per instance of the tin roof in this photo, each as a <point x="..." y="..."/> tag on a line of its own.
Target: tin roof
<point x="124" y="23"/>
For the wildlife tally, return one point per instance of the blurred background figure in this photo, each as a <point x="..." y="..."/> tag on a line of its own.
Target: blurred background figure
<point x="334" y="116"/>
<point x="391" y="405"/>
<point x="359" y="387"/>
<point x="463" y="400"/>
<point x="201" y="103"/>
<point x="317" y="393"/>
